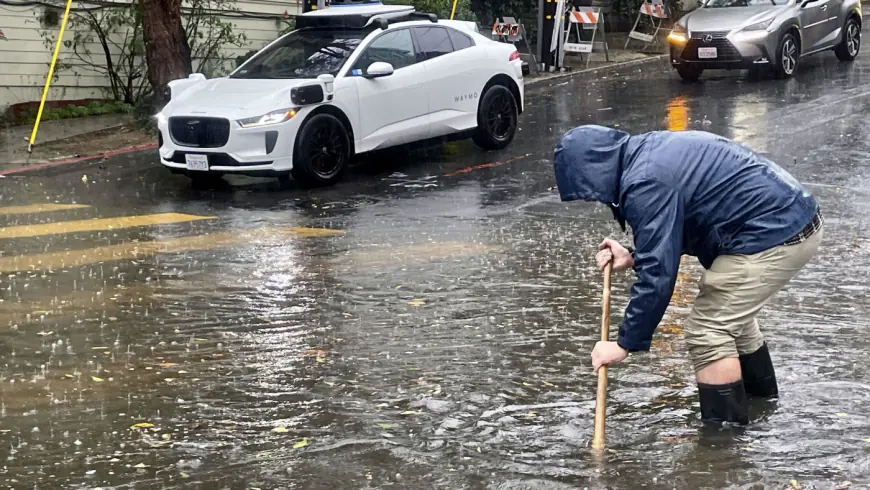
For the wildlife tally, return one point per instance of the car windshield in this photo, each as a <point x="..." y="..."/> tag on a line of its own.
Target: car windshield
<point x="742" y="3"/>
<point x="306" y="53"/>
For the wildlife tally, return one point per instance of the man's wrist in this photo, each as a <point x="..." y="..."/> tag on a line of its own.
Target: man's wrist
<point x="626" y="349"/>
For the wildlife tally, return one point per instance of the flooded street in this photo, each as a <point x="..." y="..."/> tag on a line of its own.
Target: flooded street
<point x="427" y="323"/>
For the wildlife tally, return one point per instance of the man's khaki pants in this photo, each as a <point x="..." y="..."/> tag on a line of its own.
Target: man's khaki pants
<point x="722" y="323"/>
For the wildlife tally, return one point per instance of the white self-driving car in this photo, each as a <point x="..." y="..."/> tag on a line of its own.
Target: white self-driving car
<point x="351" y="79"/>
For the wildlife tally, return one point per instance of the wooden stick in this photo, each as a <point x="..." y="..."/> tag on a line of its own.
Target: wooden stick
<point x="601" y="399"/>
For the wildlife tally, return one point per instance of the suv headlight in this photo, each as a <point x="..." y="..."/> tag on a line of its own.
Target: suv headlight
<point x="274" y="117"/>
<point x="759" y="26"/>
<point x="678" y="34"/>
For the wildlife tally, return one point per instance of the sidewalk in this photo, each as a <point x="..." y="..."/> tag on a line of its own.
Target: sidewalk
<point x="70" y="138"/>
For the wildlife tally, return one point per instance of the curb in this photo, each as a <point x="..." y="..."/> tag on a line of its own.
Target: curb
<point x="67" y="161"/>
<point x="598" y="70"/>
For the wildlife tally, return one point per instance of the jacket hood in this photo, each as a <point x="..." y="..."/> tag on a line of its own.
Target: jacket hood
<point x="588" y="164"/>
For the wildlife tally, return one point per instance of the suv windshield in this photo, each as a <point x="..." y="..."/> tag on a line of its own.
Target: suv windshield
<point x="306" y="53"/>
<point x="742" y="3"/>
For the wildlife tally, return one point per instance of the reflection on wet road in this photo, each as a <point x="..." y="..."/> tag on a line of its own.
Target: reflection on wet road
<point x="425" y="324"/>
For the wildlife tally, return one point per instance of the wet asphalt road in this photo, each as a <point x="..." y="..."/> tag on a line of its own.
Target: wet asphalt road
<point x="425" y="324"/>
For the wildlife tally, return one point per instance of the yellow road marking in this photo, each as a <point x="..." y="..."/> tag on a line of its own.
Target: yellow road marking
<point x="76" y="302"/>
<point x="39" y="208"/>
<point x="25" y="231"/>
<point x="130" y="251"/>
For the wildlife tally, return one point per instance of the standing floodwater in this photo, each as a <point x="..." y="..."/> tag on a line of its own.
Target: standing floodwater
<point x="426" y="324"/>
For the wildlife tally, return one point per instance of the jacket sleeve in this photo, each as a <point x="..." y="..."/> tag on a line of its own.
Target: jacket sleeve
<point x="655" y="213"/>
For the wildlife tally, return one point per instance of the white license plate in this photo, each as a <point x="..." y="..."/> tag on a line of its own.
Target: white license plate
<point x="707" y="53"/>
<point x="196" y="162"/>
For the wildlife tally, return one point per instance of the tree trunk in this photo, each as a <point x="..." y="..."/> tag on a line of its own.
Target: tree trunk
<point x="166" y="49"/>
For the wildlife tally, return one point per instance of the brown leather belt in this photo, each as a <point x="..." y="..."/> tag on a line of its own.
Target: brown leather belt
<point x="808" y="231"/>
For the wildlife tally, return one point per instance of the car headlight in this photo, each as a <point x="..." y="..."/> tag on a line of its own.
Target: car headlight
<point x="274" y="117"/>
<point x="678" y="34"/>
<point x="759" y="26"/>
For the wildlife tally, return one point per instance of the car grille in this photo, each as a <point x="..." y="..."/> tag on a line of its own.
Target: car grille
<point x="725" y="51"/>
<point x="199" y="132"/>
<point x="216" y="160"/>
<point x="715" y="34"/>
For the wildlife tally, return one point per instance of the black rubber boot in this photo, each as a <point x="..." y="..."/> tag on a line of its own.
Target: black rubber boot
<point x="723" y="404"/>
<point x="759" y="378"/>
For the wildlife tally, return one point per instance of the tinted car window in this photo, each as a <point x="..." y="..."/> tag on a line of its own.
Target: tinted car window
<point x="434" y="42"/>
<point x="306" y="53"/>
<point x="460" y="40"/>
<point x="394" y="47"/>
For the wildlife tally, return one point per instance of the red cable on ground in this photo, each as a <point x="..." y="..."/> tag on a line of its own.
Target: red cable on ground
<point x="66" y="161"/>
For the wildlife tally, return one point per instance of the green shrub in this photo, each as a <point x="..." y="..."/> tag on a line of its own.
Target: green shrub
<point x="81" y="111"/>
<point x="28" y="116"/>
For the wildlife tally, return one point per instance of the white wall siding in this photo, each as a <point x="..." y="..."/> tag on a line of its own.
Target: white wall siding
<point x="24" y="56"/>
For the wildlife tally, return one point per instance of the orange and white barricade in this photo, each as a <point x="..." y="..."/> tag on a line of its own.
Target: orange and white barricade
<point x="511" y="30"/>
<point x="656" y="13"/>
<point x="585" y="20"/>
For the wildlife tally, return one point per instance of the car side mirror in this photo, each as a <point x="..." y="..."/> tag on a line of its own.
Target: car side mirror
<point x="379" y="69"/>
<point x="328" y="82"/>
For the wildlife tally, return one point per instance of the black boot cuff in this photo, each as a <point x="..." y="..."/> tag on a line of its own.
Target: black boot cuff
<point x="723" y="403"/>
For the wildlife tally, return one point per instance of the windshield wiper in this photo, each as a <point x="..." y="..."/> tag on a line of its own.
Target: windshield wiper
<point x="336" y="53"/>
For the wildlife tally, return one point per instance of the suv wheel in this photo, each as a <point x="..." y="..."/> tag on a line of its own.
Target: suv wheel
<point x="787" y="55"/>
<point x="689" y="73"/>
<point x="848" y="49"/>
<point x="322" y="151"/>
<point x="497" y="117"/>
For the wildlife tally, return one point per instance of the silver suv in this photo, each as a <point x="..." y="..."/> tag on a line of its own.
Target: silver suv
<point x="740" y="34"/>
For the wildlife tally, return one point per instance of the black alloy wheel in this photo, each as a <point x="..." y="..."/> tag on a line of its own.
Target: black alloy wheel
<point x="322" y="152"/>
<point x="497" y="118"/>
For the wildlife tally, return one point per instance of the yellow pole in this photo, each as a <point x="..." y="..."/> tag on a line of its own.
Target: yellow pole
<point x="453" y="12"/>
<point x="50" y="74"/>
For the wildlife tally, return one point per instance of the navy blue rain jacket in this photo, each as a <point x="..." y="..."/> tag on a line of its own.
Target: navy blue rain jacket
<point x="689" y="192"/>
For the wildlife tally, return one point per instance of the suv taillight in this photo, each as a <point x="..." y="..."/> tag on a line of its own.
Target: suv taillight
<point x="514" y="56"/>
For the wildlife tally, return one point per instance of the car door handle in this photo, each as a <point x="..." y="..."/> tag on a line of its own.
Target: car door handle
<point x="824" y="7"/>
